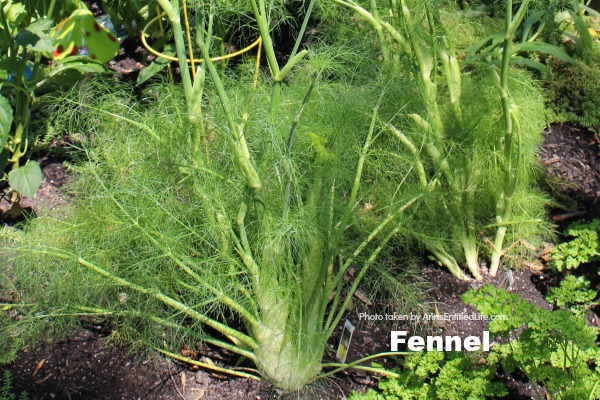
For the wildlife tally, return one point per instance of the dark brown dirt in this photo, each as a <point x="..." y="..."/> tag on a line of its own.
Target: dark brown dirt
<point x="572" y="165"/>
<point x="87" y="367"/>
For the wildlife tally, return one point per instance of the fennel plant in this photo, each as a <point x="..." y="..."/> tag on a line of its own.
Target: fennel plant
<point x="468" y="167"/>
<point x="249" y="252"/>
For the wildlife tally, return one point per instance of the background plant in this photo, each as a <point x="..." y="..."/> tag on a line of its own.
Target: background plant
<point x="583" y="248"/>
<point x="27" y="38"/>
<point x="454" y="146"/>
<point x="554" y="349"/>
<point x="574" y="293"/>
<point x="438" y="375"/>
<point x="573" y="89"/>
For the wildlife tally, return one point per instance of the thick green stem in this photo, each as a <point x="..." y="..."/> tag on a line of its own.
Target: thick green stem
<point x="379" y="30"/>
<point x="238" y="139"/>
<point x="503" y="209"/>
<point x="447" y="260"/>
<point x="171" y="8"/>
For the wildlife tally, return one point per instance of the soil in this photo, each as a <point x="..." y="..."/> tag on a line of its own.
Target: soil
<point x="87" y="366"/>
<point x="572" y="166"/>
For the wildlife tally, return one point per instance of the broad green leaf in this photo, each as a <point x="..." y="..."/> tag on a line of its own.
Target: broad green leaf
<point x="41" y="26"/>
<point x="582" y="30"/>
<point x="35" y="36"/>
<point x="15" y="13"/>
<point x="544" y="48"/>
<point x="34" y="42"/>
<point x="528" y="62"/>
<point x="81" y="34"/>
<point x="156" y="66"/>
<point x="27" y="179"/>
<point x="6" y="118"/>
<point x="82" y="67"/>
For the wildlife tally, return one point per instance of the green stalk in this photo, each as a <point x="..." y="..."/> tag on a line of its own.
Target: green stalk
<point x="171" y="8"/>
<point x="427" y="64"/>
<point x="379" y="30"/>
<point x="265" y="34"/>
<point x="503" y="209"/>
<point x="233" y="334"/>
<point x="446" y="259"/>
<point x="377" y="24"/>
<point x="355" y="365"/>
<point x="237" y="137"/>
<point x="302" y="28"/>
<point x="469" y="242"/>
<point x="267" y="44"/>
<point x="415" y="152"/>
<point x="224" y="329"/>
<point x="286" y="161"/>
<point x="336" y="237"/>
<point x="277" y="74"/>
<point x="366" y="265"/>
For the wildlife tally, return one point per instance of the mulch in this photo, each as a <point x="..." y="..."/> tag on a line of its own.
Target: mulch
<point x="570" y="156"/>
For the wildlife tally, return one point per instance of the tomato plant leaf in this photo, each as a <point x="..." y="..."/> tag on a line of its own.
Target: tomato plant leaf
<point x="82" y="35"/>
<point x="27" y="179"/>
<point x="76" y="64"/>
<point x="6" y="118"/>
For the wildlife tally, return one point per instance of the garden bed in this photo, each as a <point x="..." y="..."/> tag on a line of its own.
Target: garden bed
<point x="234" y="242"/>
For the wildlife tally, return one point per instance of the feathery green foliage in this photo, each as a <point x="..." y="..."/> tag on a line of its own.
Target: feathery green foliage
<point x="167" y="242"/>
<point x="451" y="138"/>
